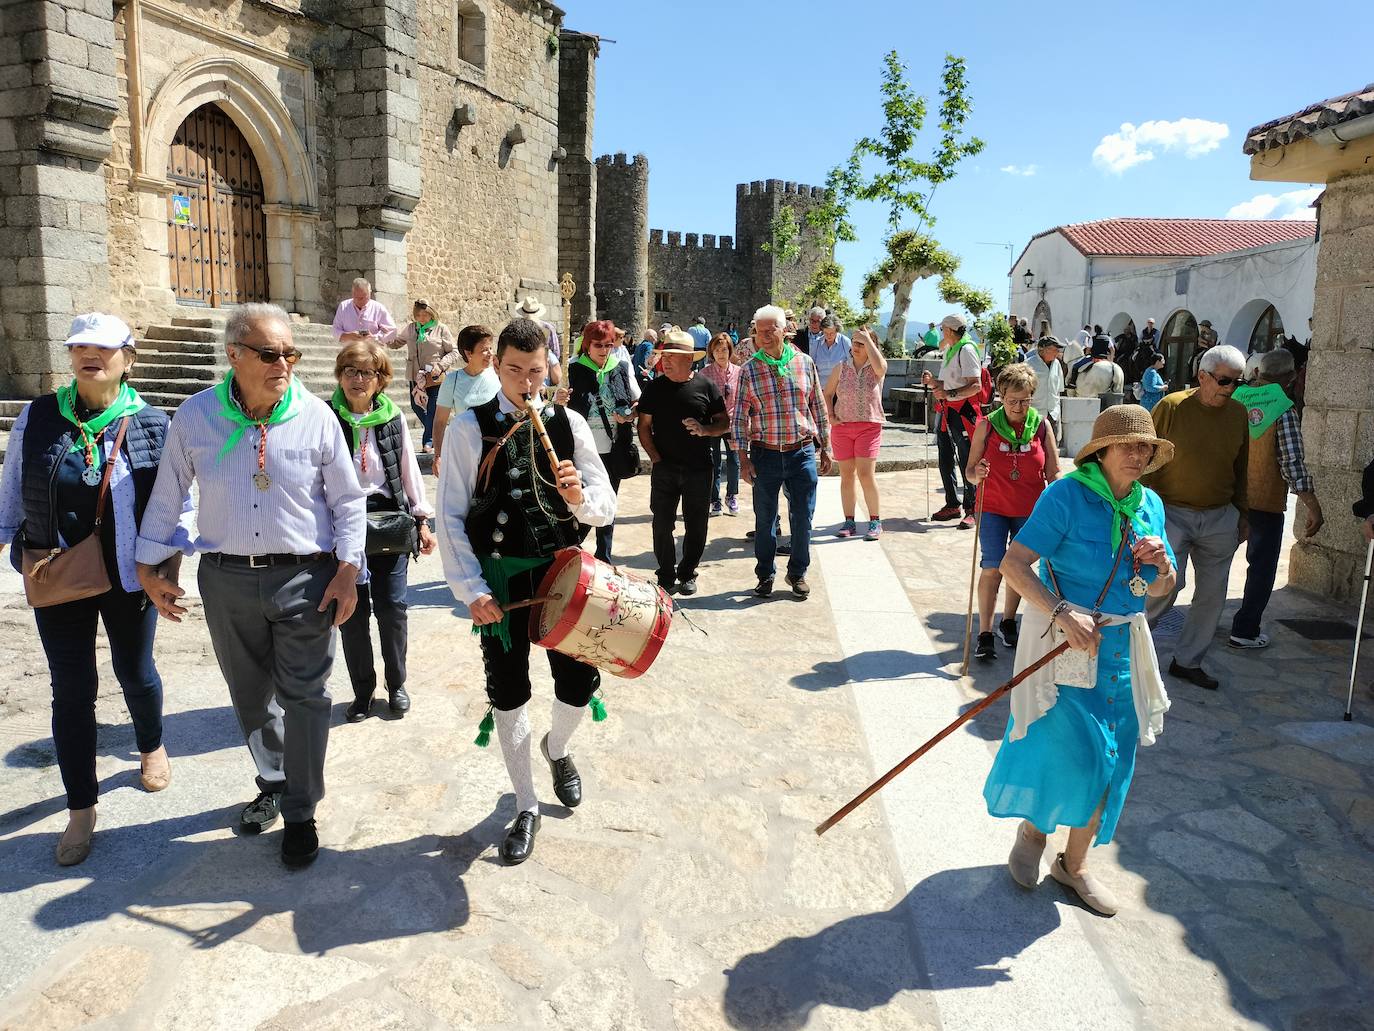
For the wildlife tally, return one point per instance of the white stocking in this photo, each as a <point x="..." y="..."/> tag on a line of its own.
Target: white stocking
<point x="513" y="730"/>
<point x="565" y="720"/>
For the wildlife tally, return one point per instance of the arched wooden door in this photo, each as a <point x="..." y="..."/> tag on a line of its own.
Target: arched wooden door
<point x="216" y="231"/>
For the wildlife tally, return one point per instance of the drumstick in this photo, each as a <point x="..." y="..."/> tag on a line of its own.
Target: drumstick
<point x="533" y="409"/>
<point x="527" y="603"/>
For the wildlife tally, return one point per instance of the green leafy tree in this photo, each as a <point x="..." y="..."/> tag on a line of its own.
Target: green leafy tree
<point x="995" y="333"/>
<point x="784" y="243"/>
<point x="907" y="185"/>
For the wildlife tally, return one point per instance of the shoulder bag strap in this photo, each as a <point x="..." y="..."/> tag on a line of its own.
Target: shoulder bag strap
<point x="109" y="469"/>
<point x="1120" y="553"/>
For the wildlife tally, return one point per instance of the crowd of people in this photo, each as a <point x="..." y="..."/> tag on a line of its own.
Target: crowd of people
<point x="310" y="512"/>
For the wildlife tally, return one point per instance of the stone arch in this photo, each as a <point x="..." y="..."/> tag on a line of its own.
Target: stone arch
<point x="1121" y="321"/>
<point x="1242" y="324"/>
<point x="290" y="189"/>
<point x="1041" y="321"/>
<point x="1178" y="340"/>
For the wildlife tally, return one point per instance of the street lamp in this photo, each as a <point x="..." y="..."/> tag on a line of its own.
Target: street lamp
<point x="1028" y="278"/>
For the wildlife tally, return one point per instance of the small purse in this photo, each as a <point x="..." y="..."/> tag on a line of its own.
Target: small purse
<point x="390" y="531"/>
<point x="55" y="576"/>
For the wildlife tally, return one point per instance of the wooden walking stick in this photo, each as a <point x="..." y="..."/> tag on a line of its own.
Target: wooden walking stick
<point x="973" y="577"/>
<point x="882" y="781"/>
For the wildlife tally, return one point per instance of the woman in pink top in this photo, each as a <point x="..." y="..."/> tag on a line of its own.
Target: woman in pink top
<point x="721" y="371"/>
<point x="854" y="398"/>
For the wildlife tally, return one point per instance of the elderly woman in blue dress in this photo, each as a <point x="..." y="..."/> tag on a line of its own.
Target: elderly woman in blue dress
<point x="1069" y="750"/>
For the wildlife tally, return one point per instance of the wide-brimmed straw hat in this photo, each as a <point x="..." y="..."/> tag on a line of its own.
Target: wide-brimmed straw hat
<point x="679" y="341"/>
<point x="1126" y="424"/>
<point x="531" y="308"/>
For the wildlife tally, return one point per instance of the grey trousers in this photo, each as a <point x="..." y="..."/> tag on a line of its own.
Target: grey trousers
<point x="1207" y="538"/>
<point x="275" y="651"/>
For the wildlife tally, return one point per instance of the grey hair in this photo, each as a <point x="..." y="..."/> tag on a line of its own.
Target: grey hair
<point x="243" y="318"/>
<point x="361" y="282"/>
<point x="816" y="311"/>
<point x="1221" y="354"/>
<point x="773" y="313"/>
<point x="830" y="322"/>
<point x="1277" y="364"/>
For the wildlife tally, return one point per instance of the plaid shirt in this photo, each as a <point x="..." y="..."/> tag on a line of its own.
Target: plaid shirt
<point x="1292" y="462"/>
<point x="783" y="409"/>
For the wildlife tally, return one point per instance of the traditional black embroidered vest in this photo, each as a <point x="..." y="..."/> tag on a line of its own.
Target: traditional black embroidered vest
<point x="388" y="436"/>
<point x="48" y="437"/>
<point x="517" y="511"/>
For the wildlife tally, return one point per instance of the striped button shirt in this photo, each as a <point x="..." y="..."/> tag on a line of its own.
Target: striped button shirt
<point x="780" y="410"/>
<point x="313" y="504"/>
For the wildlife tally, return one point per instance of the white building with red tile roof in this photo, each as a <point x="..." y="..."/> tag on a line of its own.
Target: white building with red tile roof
<point x="1252" y="279"/>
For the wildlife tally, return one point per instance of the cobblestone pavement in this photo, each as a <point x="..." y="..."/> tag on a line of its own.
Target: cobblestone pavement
<point x="689" y="890"/>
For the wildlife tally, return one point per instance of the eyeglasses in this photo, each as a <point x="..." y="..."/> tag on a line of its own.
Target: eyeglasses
<point x="352" y="373"/>
<point x="1223" y="381"/>
<point x="270" y="357"/>
<point x="1019" y="402"/>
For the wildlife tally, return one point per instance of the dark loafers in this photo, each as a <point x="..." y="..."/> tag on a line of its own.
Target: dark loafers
<point x="299" y="843"/>
<point x="260" y="813"/>
<point x="358" y="709"/>
<point x="400" y="701"/>
<point x="567" y="782"/>
<point x="1194" y="675"/>
<point x="519" y="843"/>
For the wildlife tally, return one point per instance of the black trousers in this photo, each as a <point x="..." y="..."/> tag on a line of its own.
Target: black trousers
<point x="384" y="595"/>
<point x="508" y="671"/>
<point x="670" y="486"/>
<point x="952" y="445"/>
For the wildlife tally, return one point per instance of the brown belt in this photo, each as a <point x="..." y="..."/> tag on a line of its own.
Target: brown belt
<point x="782" y="447"/>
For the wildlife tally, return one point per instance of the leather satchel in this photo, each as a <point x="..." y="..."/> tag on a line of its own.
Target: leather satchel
<point x="55" y="576"/>
<point x="390" y="530"/>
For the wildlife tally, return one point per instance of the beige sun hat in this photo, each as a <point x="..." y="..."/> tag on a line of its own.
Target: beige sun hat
<point x="531" y="308"/>
<point x="679" y="341"/>
<point x="1126" y="424"/>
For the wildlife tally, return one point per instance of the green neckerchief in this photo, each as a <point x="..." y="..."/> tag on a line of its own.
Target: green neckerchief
<point x="611" y="362"/>
<point x="382" y="412"/>
<point x="422" y="329"/>
<point x="1263" y="406"/>
<point x="1090" y="474"/>
<point x="1002" y="425"/>
<point x="780" y="363"/>
<point x="126" y="402"/>
<point x="282" y="411"/>
<point x="497" y="573"/>
<point x="952" y="352"/>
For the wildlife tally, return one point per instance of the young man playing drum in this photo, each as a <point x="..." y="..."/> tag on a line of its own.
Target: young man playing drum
<point x="503" y="513"/>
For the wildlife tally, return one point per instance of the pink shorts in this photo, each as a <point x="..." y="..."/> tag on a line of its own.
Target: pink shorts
<point x="855" y="439"/>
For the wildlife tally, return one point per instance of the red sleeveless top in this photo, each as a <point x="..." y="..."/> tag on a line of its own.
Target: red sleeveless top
<point x="1017" y="477"/>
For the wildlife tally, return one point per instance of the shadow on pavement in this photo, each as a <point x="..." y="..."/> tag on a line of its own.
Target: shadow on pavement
<point x="215" y="891"/>
<point x="863" y="962"/>
<point x="883" y="664"/>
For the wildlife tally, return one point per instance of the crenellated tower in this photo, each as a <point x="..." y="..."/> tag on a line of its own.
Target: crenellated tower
<point x="622" y="236"/>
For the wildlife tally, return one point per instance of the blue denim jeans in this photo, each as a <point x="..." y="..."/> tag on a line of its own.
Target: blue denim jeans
<point x="385" y="596"/>
<point x="1262" y="550"/>
<point x="427" y="413"/>
<point x="794" y="474"/>
<point x="68" y="635"/>
<point x="723" y="456"/>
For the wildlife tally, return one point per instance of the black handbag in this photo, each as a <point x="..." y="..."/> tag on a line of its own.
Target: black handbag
<point x="390" y="531"/>
<point x="625" y="452"/>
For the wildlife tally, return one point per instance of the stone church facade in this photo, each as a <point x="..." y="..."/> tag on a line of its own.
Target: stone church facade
<point x="163" y="157"/>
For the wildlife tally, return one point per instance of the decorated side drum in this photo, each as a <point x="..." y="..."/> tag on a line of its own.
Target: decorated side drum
<point x="599" y="614"/>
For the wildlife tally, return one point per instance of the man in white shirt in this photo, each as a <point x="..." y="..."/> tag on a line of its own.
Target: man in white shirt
<point x="359" y="317"/>
<point x="956" y="391"/>
<point x="1049" y="375"/>
<point x="504" y="511"/>
<point x="281" y="524"/>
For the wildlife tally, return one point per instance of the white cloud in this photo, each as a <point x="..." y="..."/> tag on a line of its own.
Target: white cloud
<point x="1019" y="169"/>
<point x="1293" y="205"/>
<point x="1134" y="144"/>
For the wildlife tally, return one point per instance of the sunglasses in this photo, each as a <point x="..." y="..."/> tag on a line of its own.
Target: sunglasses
<point x="270" y="357"/>
<point x="352" y="373"/>
<point x="1224" y="381"/>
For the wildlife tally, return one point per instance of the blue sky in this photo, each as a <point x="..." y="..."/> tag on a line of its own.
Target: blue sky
<point x="716" y="93"/>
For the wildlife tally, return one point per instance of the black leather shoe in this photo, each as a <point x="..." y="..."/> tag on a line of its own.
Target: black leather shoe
<point x="519" y="843"/>
<point x="567" y="782"/>
<point x="1194" y="675"/>
<point x="765" y="587"/>
<point x="260" y="813"/>
<point x="299" y="843"/>
<point x="688" y="586"/>
<point x="358" y="709"/>
<point x="400" y="701"/>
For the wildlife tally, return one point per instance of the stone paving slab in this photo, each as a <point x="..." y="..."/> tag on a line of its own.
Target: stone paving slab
<point x="689" y="891"/>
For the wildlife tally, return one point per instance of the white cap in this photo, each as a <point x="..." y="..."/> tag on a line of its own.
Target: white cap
<point x="97" y="329"/>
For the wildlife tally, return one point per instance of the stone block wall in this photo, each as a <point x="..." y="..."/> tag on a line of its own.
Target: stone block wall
<point x="701" y="275"/>
<point x="756" y="204"/>
<point x="622" y="256"/>
<point x="576" y="173"/>
<point x="1338" y="420"/>
<point x="486" y="226"/>
<point x="57" y="100"/>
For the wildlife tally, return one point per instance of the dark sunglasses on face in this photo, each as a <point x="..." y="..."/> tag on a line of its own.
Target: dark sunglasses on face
<point x="1224" y="381"/>
<point x="270" y="357"/>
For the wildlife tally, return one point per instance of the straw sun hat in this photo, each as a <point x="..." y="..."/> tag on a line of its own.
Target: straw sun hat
<point x="1126" y="424"/>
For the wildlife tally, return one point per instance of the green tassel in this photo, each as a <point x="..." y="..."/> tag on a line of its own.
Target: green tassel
<point x="484" y="730"/>
<point x="598" y="710"/>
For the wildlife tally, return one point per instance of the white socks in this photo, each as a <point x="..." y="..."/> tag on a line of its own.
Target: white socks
<point x="513" y="730"/>
<point x="565" y="720"/>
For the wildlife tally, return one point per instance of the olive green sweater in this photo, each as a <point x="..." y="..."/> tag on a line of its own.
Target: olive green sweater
<point x="1211" y="453"/>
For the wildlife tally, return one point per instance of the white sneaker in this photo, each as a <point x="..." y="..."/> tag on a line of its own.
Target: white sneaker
<point x="1260" y="640"/>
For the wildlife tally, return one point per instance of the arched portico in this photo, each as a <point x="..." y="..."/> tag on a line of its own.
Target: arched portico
<point x="1121" y="322"/>
<point x="289" y="189"/>
<point x="1178" y="340"/>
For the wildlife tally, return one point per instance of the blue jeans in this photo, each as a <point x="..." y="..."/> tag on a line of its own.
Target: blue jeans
<point x="605" y="535"/>
<point x="794" y="474"/>
<point x="68" y="635"/>
<point x="1262" y="550"/>
<point x="722" y="454"/>
<point x="426" y="414"/>
<point x="385" y="595"/>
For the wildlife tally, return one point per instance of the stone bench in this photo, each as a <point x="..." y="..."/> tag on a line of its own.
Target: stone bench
<point x="908" y="403"/>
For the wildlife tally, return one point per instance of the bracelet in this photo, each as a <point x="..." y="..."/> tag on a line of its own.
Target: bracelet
<point x="1061" y="607"/>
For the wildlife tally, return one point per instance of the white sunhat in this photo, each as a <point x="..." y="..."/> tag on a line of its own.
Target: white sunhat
<point x="97" y="329"/>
